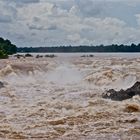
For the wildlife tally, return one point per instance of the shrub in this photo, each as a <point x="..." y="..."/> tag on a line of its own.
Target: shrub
<point x="3" y="55"/>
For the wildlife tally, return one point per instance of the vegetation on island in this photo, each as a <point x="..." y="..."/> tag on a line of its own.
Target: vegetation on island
<point x="100" y="48"/>
<point x="6" y="48"/>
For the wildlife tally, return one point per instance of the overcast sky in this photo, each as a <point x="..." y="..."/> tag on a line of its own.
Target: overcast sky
<point x="70" y="22"/>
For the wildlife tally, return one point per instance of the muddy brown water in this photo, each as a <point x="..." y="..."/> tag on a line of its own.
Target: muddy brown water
<point x="60" y="98"/>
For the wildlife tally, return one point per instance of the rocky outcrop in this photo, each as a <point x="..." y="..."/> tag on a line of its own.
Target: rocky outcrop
<point x="1" y="84"/>
<point x="123" y="94"/>
<point x="28" y="55"/>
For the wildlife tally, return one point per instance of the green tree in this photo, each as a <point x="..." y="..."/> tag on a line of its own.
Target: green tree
<point x="6" y="48"/>
<point x="3" y="55"/>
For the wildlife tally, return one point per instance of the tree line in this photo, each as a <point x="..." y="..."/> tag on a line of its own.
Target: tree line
<point x="100" y="48"/>
<point x="6" y="48"/>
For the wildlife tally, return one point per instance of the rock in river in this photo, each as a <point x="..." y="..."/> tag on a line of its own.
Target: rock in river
<point x="1" y="84"/>
<point x="123" y="94"/>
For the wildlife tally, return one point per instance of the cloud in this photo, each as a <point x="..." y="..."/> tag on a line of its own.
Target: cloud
<point x="74" y="37"/>
<point x="5" y="19"/>
<point x="36" y="27"/>
<point x="138" y="18"/>
<point x="22" y="1"/>
<point x="90" y="8"/>
<point x="7" y="12"/>
<point x="65" y="22"/>
<point x="27" y="1"/>
<point x="52" y="27"/>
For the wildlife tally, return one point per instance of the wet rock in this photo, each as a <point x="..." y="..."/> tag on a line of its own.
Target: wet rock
<point x="19" y="56"/>
<point x="123" y="94"/>
<point x="91" y="55"/>
<point x="128" y="120"/>
<point x="50" y="56"/>
<point x="28" y="55"/>
<point x="1" y="84"/>
<point x="39" y="56"/>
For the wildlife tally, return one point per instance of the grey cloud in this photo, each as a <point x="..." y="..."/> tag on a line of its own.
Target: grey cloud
<point x="21" y="37"/>
<point x="23" y="1"/>
<point x="28" y="1"/>
<point x="90" y="8"/>
<point x="36" y="27"/>
<point x="33" y="34"/>
<point x="7" y="12"/>
<point x="41" y="27"/>
<point x="70" y="21"/>
<point x="64" y="4"/>
<point x="5" y="19"/>
<point x="52" y="27"/>
<point x="36" y="19"/>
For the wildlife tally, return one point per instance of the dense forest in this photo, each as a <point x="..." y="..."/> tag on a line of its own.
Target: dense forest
<point x="100" y="48"/>
<point x="6" y="48"/>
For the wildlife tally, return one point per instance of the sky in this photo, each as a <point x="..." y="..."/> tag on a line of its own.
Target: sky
<point x="70" y="22"/>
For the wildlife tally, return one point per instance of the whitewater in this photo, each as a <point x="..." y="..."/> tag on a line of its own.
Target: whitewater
<point x="60" y="98"/>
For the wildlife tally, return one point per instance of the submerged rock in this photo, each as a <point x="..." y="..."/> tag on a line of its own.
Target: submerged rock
<point x="123" y="94"/>
<point x="28" y="55"/>
<point x="1" y="84"/>
<point x="19" y="56"/>
<point x="50" y="56"/>
<point x="39" y="56"/>
<point x="132" y="108"/>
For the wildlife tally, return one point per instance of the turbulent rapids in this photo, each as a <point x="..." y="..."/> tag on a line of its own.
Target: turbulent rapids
<point x="61" y="98"/>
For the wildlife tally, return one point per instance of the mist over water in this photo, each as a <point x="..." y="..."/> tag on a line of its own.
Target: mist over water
<point x="64" y="74"/>
<point x="60" y="98"/>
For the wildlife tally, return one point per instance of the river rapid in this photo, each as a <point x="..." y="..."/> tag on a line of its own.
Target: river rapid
<point x="60" y="98"/>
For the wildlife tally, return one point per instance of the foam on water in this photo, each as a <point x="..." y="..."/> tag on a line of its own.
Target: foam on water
<point x="60" y="98"/>
<point x="65" y="74"/>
